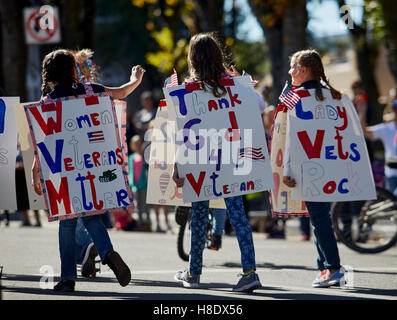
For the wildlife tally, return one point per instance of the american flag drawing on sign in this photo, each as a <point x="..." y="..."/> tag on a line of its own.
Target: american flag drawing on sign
<point x="95" y="136"/>
<point x="289" y="97"/>
<point x="251" y="153"/>
<point x="172" y="81"/>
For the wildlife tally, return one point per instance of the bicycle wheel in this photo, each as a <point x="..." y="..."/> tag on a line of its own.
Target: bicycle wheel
<point x="183" y="241"/>
<point x="367" y="226"/>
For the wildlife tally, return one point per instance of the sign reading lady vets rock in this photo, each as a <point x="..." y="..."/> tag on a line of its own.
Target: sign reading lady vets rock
<point x="8" y="153"/>
<point x="223" y="151"/>
<point x="328" y="155"/>
<point x="77" y="146"/>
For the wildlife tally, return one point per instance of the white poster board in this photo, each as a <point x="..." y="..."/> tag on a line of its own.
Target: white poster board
<point x="36" y="202"/>
<point x="282" y="204"/>
<point x="162" y="190"/>
<point x="121" y="114"/>
<point x="8" y="153"/>
<point x="224" y="150"/>
<point x="77" y="145"/>
<point x="329" y="157"/>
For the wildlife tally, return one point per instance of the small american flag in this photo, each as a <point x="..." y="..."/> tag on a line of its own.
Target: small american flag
<point x="289" y="97"/>
<point x="251" y="153"/>
<point x="172" y="81"/>
<point x="95" y="136"/>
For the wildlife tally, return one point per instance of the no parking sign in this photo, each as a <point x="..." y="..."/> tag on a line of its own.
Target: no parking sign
<point x="42" y="25"/>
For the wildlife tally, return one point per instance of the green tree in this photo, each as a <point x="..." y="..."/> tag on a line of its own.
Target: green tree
<point x="172" y="22"/>
<point x="366" y="45"/>
<point x="388" y="24"/>
<point x="284" y="25"/>
<point x="13" y="64"/>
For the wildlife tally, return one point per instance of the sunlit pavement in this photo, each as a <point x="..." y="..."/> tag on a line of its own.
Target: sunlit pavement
<point x="286" y="268"/>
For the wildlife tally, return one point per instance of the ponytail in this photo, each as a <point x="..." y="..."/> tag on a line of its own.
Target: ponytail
<point x="311" y="59"/>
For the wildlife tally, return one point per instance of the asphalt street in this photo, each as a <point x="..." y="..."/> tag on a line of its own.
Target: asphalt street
<point x="286" y="268"/>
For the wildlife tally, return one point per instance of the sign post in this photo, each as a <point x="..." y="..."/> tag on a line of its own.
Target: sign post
<point x="42" y="25"/>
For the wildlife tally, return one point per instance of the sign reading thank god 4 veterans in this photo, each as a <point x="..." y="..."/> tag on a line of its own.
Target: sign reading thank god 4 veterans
<point x="223" y="151"/>
<point x="77" y="146"/>
<point x="328" y="155"/>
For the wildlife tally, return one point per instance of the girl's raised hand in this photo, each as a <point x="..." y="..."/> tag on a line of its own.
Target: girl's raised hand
<point x="137" y="73"/>
<point x="232" y="71"/>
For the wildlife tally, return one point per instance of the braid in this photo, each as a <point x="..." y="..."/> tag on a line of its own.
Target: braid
<point x="58" y="67"/>
<point x="336" y="94"/>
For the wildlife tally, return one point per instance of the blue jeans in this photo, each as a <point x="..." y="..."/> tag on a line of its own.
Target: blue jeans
<point x="67" y="242"/>
<point x="219" y="221"/>
<point x="391" y="185"/>
<point x="198" y="227"/>
<point x="83" y="239"/>
<point x="324" y="237"/>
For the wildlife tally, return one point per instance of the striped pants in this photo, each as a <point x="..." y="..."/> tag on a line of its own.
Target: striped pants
<point x="198" y="226"/>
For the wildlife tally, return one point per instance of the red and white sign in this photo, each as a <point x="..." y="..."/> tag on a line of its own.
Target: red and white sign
<point x="42" y="25"/>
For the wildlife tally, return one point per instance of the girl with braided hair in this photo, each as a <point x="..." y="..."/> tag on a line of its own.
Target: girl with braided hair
<point x="307" y="72"/>
<point x="60" y="79"/>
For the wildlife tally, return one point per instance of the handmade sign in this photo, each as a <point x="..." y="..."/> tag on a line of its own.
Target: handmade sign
<point x="162" y="190"/>
<point x="282" y="204"/>
<point x="121" y="113"/>
<point x="77" y="146"/>
<point x="223" y="151"/>
<point x="8" y="153"/>
<point x="328" y="155"/>
<point x="36" y="202"/>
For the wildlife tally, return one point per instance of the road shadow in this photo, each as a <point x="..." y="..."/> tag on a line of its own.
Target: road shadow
<point x="265" y="293"/>
<point x="269" y="266"/>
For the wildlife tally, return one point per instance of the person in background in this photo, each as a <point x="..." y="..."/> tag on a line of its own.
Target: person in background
<point x="124" y="219"/>
<point x="86" y="251"/>
<point x="138" y="178"/>
<point x="22" y="192"/>
<point x="219" y="216"/>
<point x="387" y="133"/>
<point x="143" y="117"/>
<point x="360" y="101"/>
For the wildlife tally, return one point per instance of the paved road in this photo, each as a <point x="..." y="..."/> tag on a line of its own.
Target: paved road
<point x="286" y="269"/>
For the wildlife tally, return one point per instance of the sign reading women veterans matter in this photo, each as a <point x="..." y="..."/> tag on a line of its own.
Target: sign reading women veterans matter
<point x="77" y="145"/>
<point x="8" y="153"/>
<point x="223" y="151"/>
<point x="328" y="155"/>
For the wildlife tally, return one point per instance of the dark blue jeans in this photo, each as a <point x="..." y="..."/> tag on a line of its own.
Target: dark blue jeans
<point x="324" y="237"/>
<point x="67" y="242"/>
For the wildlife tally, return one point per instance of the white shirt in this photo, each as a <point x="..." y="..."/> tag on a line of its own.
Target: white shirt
<point x="386" y="132"/>
<point x="262" y="103"/>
